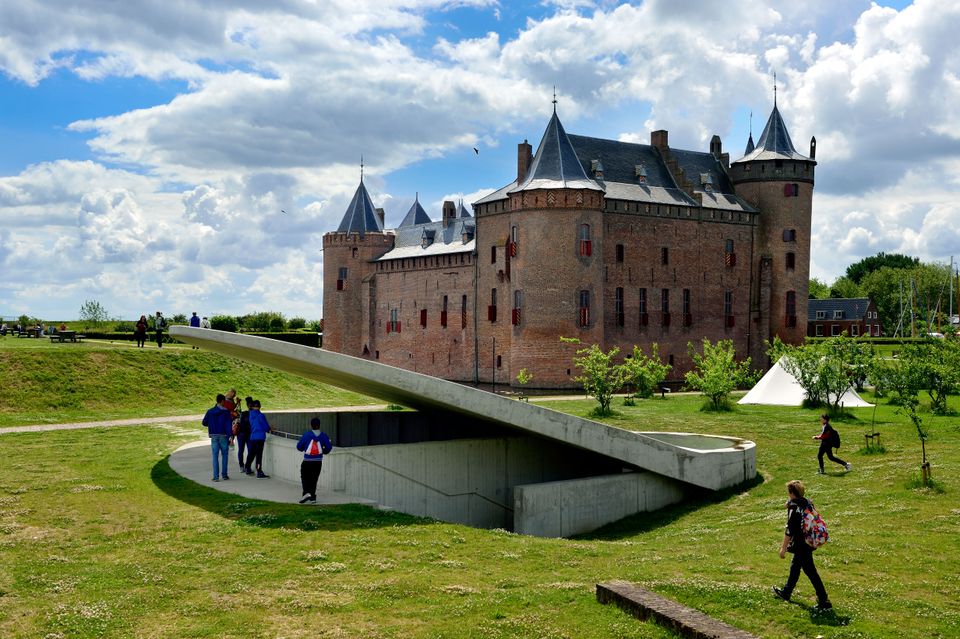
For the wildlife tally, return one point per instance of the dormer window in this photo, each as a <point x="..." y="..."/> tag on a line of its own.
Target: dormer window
<point x="596" y="167"/>
<point x="426" y="239"/>
<point x="838" y="315"/>
<point x="706" y="181"/>
<point x="641" y="172"/>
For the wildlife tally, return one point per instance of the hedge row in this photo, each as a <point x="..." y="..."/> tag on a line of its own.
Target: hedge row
<point x="304" y="339"/>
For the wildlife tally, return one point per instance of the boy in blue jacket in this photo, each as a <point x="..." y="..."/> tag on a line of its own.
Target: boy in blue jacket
<point x="258" y="438"/>
<point x="314" y="444"/>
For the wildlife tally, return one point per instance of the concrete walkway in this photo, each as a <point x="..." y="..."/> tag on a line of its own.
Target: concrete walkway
<point x="193" y="461"/>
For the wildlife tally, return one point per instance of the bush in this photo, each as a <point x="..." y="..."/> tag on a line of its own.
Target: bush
<point x="224" y="323"/>
<point x="179" y="318"/>
<point x="276" y="324"/>
<point x="124" y="327"/>
<point x="296" y="323"/>
<point x="261" y="322"/>
<point x="316" y="326"/>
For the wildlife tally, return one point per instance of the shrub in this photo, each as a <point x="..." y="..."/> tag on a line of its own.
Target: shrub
<point x="296" y="323"/>
<point x="224" y="323"/>
<point x="179" y="318"/>
<point x="124" y="327"/>
<point x="716" y="372"/>
<point x="276" y="324"/>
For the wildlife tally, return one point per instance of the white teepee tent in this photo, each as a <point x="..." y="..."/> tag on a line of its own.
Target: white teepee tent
<point x="780" y="388"/>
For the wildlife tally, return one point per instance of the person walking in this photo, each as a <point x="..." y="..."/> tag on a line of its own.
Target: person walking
<point x="218" y="423"/>
<point x="794" y="542"/>
<point x="141" y="332"/>
<point x="159" y="323"/>
<point x="243" y="438"/>
<point x="314" y="444"/>
<point x="829" y="439"/>
<point x="194" y="323"/>
<point x="204" y="323"/>
<point x="258" y="438"/>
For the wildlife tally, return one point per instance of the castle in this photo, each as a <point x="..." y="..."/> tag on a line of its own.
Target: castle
<point x="615" y="243"/>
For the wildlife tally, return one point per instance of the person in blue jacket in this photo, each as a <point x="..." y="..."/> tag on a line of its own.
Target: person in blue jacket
<point x="258" y="437"/>
<point x="314" y="444"/>
<point x="220" y="429"/>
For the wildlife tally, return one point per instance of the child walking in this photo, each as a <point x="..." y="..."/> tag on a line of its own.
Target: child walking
<point x="829" y="439"/>
<point x="314" y="444"/>
<point x="794" y="542"/>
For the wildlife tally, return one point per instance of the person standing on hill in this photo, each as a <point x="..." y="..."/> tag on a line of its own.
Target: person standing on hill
<point x="217" y="420"/>
<point x="314" y="444"/>
<point x="141" y="332"/>
<point x="258" y="438"/>
<point x="159" y="323"/>
<point x="829" y="439"/>
<point x="204" y="323"/>
<point x="194" y="323"/>
<point x="794" y="542"/>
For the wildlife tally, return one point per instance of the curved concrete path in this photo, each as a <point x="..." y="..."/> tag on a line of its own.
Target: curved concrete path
<point x="194" y="462"/>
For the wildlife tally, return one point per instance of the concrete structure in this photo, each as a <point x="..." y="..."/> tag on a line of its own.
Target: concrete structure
<point x="474" y="457"/>
<point x="615" y="243"/>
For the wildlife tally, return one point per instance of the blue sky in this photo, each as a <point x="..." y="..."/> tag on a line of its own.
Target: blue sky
<point x="149" y="148"/>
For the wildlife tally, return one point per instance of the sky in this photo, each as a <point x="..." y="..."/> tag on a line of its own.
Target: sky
<point x="189" y="156"/>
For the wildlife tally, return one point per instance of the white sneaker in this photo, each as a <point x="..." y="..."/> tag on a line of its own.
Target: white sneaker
<point x="821" y="472"/>
<point x="847" y="466"/>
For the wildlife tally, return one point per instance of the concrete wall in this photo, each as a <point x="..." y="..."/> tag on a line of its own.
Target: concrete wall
<point x="565" y="508"/>
<point x="468" y="481"/>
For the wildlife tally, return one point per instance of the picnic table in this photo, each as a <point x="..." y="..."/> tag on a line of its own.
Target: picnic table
<point x="66" y="336"/>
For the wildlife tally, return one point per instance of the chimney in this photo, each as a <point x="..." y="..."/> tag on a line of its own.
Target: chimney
<point x="449" y="213"/>
<point x="659" y="139"/>
<point x="813" y="148"/>
<point x="381" y="215"/>
<point x="716" y="147"/>
<point x="524" y="157"/>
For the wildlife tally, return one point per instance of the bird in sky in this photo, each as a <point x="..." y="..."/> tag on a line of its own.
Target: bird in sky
<point x="476" y="150"/>
<point x="282" y="211"/>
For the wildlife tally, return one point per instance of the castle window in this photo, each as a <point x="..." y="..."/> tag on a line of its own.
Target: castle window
<point x="586" y="245"/>
<point x="791" y="190"/>
<point x="341" y="278"/>
<point x="499" y="360"/>
<point x="493" y="254"/>
<point x="393" y="326"/>
<point x="492" y="309"/>
<point x="620" y="253"/>
<point x="463" y="312"/>
<point x="584" y="308"/>
<point x="665" y="306"/>
<point x="618" y="306"/>
<point x="729" y="257"/>
<point x="443" y="313"/>
<point x="789" y="235"/>
<point x="728" y="309"/>
<point x="687" y="315"/>
<point x="664" y="255"/>
<point x="514" y="241"/>
<point x="791" y="261"/>
<point x="423" y="318"/>
<point x="353" y="253"/>
<point x="819" y="330"/>
<point x="643" y="307"/>
<point x="790" y="319"/>
<point x="515" y="316"/>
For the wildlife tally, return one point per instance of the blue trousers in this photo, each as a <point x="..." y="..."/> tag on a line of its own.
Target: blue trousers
<point x="220" y="451"/>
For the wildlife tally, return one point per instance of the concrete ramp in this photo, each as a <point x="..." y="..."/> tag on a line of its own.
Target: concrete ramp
<point x="701" y="460"/>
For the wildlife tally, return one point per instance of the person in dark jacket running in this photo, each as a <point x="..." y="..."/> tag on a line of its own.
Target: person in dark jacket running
<point x="315" y="444"/>
<point x="794" y="542"/>
<point x="829" y="439"/>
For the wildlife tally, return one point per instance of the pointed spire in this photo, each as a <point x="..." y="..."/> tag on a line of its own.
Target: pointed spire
<point x="361" y="216"/>
<point x="774" y="89"/>
<point x="750" y="145"/>
<point x="554" y="98"/>
<point x="416" y="214"/>
<point x="462" y="211"/>
<point x="556" y="165"/>
<point x="774" y="142"/>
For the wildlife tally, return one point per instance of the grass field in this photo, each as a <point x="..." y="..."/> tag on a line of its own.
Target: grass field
<point x="98" y="538"/>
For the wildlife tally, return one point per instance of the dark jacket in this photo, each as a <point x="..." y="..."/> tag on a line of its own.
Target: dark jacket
<point x="794" y="527"/>
<point x="218" y="421"/>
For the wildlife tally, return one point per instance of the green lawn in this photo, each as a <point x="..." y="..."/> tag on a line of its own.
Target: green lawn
<point x="98" y="538"/>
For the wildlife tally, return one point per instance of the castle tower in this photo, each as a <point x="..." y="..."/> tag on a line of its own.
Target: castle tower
<point x="348" y="254"/>
<point x="778" y="181"/>
<point x="545" y="264"/>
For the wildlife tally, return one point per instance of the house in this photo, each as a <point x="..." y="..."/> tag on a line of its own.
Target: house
<point x="854" y="316"/>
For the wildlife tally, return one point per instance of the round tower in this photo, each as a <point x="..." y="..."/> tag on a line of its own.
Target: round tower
<point x="778" y="181"/>
<point x="348" y="261"/>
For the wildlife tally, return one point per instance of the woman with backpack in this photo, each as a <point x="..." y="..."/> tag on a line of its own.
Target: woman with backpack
<point x="795" y="540"/>
<point x="829" y="439"/>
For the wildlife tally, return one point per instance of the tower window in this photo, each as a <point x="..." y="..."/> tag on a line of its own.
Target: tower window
<point x="664" y="255"/>
<point x="618" y="306"/>
<point x="586" y="245"/>
<point x="584" y="308"/>
<point x="643" y="307"/>
<point x="791" y="190"/>
<point x="620" y="253"/>
<point x="789" y="235"/>
<point x="791" y="260"/>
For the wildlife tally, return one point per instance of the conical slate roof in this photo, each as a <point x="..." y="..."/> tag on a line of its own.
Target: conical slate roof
<point x="556" y="165"/>
<point x="361" y="216"/>
<point x="774" y="143"/>
<point x="462" y="211"/>
<point x="416" y="215"/>
<point x="750" y="146"/>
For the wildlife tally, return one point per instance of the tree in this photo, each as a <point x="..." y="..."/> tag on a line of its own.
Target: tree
<point x="804" y="362"/>
<point x="903" y="377"/>
<point x="937" y="363"/>
<point x="645" y="373"/>
<point x="858" y="270"/>
<point x="92" y="313"/>
<point x="180" y="319"/>
<point x="716" y="372"/>
<point x="599" y="376"/>
<point x="818" y="289"/>
<point x="224" y="323"/>
<point x="296" y="323"/>
<point x="923" y="287"/>
<point x="844" y="287"/>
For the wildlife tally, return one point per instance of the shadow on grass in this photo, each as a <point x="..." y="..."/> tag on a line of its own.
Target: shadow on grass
<point x="645" y="522"/>
<point x="267" y="514"/>
<point x="822" y="617"/>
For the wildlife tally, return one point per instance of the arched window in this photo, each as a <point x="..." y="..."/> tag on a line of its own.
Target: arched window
<point x="586" y="245"/>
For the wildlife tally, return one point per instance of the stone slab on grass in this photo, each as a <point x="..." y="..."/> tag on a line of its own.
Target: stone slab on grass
<point x="644" y="604"/>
